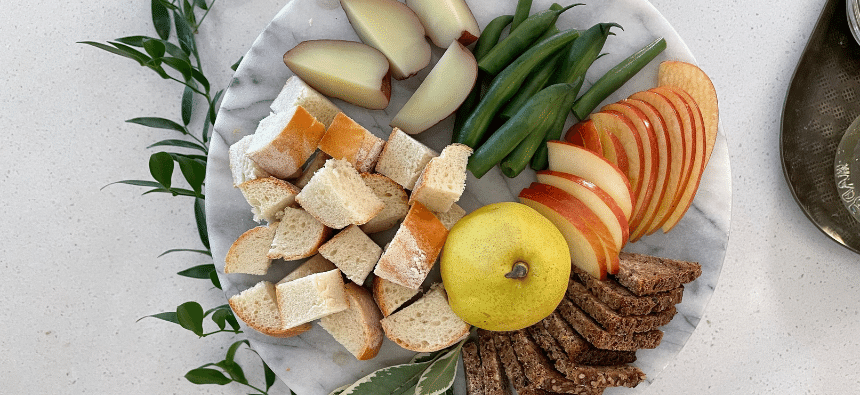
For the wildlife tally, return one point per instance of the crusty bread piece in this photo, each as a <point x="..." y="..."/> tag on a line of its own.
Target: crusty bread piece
<point x="612" y="321"/>
<point x="314" y="164"/>
<point x="268" y="197"/>
<point x="353" y="253"/>
<point x="412" y="252"/>
<point x="600" y="338"/>
<point x="346" y="139"/>
<point x="648" y="275"/>
<point x="316" y="264"/>
<point x="625" y="302"/>
<point x="450" y="217"/>
<point x="283" y="141"/>
<point x="243" y="168"/>
<point x="258" y="308"/>
<point x="426" y="325"/>
<point x="392" y="195"/>
<point x="403" y="158"/>
<point x="443" y="179"/>
<point x="472" y="368"/>
<point x="390" y="296"/>
<point x="338" y="197"/>
<point x="357" y="328"/>
<point x="298" y="93"/>
<point x="312" y="297"/>
<point x="248" y="254"/>
<point x="299" y="235"/>
<point x="495" y="381"/>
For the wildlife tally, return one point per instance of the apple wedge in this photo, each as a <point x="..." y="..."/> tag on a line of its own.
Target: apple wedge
<point x="392" y="28"/>
<point x="700" y="141"/>
<point x="672" y="119"/>
<point x="568" y="158"/>
<point x="441" y="92"/>
<point x="347" y="70"/>
<point x="694" y="81"/>
<point x="596" y="199"/>
<point x="584" y="134"/>
<point x="586" y="250"/>
<point x="446" y="21"/>
<point x="614" y="150"/>
<point x="616" y="124"/>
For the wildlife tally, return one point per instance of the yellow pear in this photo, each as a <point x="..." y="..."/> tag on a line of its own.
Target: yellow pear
<point x="505" y="267"/>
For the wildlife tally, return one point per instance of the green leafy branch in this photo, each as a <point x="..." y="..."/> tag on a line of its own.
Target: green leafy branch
<point x="180" y="61"/>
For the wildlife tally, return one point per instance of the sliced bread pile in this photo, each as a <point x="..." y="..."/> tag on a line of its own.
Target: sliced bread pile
<point x="590" y="341"/>
<point x="323" y="183"/>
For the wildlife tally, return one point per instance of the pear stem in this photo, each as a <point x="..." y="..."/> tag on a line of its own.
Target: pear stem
<point x="519" y="270"/>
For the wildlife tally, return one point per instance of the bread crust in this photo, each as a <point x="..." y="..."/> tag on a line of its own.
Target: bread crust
<point x="411" y="254"/>
<point x="246" y="317"/>
<point x="232" y="261"/>
<point x="370" y="326"/>
<point x="284" y="155"/>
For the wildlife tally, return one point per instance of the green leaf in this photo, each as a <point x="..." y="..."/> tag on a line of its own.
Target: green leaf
<point x="155" y="65"/>
<point x="217" y="283"/>
<point x="440" y="375"/>
<point x="205" y="133"/>
<point x="220" y="318"/>
<point x="231" y="352"/>
<point x="215" y="309"/>
<point x="200" y="217"/>
<point x="159" y="123"/>
<point x="213" y="107"/>
<point x="137" y="183"/>
<point x="134" y="41"/>
<point x="161" y="19"/>
<point x="161" y="168"/>
<point x="271" y="377"/>
<point x="199" y="77"/>
<point x="178" y="143"/>
<point x="187" y="105"/>
<point x="194" y="172"/>
<point x="393" y="380"/>
<point x="134" y="55"/>
<point x="154" y="48"/>
<point x="234" y="370"/>
<point x="175" y="51"/>
<point x="199" y="271"/>
<point x="190" y="316"/>
<point x="201" y="4"/>
<point x="236" y="65"/>
<point x="184" y="33"/>
<point x="180" y="65"/>
<point x="170" y="251"/>
<point x="207" y="376"/>
<point x="169" y="316"/>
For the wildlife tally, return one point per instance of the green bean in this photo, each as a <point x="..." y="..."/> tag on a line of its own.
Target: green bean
<point x="582" y="54"/>
<point x="506" y="84"/>
<point x="518" y="41"/>
<point x="539" y="114"/>
<point x="524" y="8"/>
<point x="536" y="81"/>
<point x="488" y="39"/>
<point x="613" y="79"/>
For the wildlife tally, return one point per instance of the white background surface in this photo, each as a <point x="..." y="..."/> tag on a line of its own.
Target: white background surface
<point x="79" y="263"/>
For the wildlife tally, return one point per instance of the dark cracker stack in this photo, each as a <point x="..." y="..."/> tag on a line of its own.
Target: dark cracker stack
<point x="610" y="319"/>
<point x="625" y="302"/>
<point x="564" y="344"/>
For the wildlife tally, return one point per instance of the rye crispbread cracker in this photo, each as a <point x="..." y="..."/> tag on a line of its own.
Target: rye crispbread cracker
<point x="648" y="275"/>
<point x="514" y="369"/>
<point x="474" y="372"/>
<point x="564" y="344"/>
<point x="600" y="338"/>
<point x="495" y="381"/>
<point x="610" y="319"/>
<point x="625" y="302"/>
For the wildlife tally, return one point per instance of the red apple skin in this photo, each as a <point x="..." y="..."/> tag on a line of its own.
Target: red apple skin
<point x="579" y="187"/>
<point x="585" y="135"/>
<point x="586" y="249"/>
<point x="574" y="206"/>
<point x="696" y="82"/>
<point x="616" y="124"/>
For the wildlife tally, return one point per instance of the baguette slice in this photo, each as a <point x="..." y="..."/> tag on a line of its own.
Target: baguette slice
<point x="314" y="164"/>
<point x="353" y="253"/>
<point x="390" y="296"/>
<point x="443" y="179"/>
<point x="412" y="252"/>
<point x="450" y="217"/>
<point x="346" y="139"/>
<point x="243" y="168"/>
<point x="338" y="197"/>
<point x="403" y="158"/>
<point x="258" y="308"/>
<point x="283" y="141"/>
<point x="356" y="328"/>
<point x="426" y="325"/>
<point x="298" y="93"/>
<point x="392" y="195"/>
<point x="248" y="254"/>
<point x="268" y="197"/>
<point x="299" y="235"/>
<point x="312" y="297"/>
<point x="316" y="264"/>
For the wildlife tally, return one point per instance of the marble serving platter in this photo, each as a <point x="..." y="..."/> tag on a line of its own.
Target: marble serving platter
<point x="313" y="363"/>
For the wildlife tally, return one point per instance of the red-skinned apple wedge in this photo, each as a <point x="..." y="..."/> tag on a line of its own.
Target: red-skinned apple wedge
<point x="618" y="125"/>
<point x="585" y="135"/>
<point x="392" y="28"/>
<point x="441" y="92"/>
<point x="694" y="81"/>
<point x="348" y="70"/>
<point x="446" y="21"/>
<point x="568" y="158"/>
<point x="586" y="250"/>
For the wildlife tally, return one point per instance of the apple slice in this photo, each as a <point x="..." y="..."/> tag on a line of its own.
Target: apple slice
<point x="672" y="119"/>
<point x="616" y="124"/>
<point x="574" y="205"/>
<point x="597" y="200"/>
<point x="585" y="135"/>
<point x="446" y="21"/>
<point x="392" y="28"/>
<point x="347" y="70"/>
<point x="613" y="150"/>
<point x="568" y="158"/>
<point x="586" y="250"/>
<point x="700" y="141"/>
<point x="694" y="81"/>
<point x="441" y="92"/>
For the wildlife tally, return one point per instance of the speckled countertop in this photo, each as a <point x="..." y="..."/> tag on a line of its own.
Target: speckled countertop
<point x="80" y="261"/>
